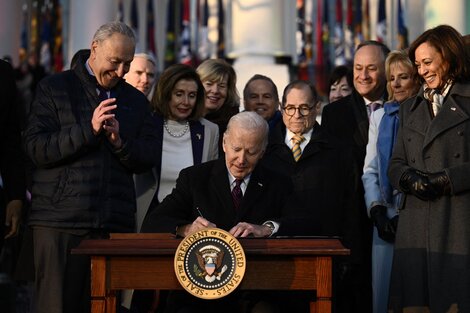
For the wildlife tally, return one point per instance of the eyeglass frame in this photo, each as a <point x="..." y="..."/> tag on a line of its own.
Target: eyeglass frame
<point x="298" y="108"/>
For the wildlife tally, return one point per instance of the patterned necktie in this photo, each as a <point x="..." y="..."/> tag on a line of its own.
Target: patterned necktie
<point x="296" y="150"/>
<point x="237" y="194"/>
<point x="373" y="106"/>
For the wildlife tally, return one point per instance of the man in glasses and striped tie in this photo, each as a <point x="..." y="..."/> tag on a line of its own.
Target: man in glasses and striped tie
<point x="320" y="170"/>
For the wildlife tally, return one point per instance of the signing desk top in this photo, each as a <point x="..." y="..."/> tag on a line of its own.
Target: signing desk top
<point x="166" y="244"/>
<point x="146" y="261"/>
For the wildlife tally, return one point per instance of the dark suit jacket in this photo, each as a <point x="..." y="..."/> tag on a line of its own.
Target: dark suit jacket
<point x="326" y="187"/>
<point x="206" y="187"/>
<point x="347" y="120"/>
<point x="11" y="155"/>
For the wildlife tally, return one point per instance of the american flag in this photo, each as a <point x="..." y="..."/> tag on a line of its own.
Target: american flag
<point x="349" y="33"/>
<point x="151" y="29"/>
<point x="135" y="19"/>
<point x="185" y="55"/>
<point x="382" y="22"/>
<point x="338" y="38"/>
<point x="402" y="30"/>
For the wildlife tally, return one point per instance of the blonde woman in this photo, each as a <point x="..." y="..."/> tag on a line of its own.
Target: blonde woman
<point x="381" y="199"/>
<point x="221" y="101"/>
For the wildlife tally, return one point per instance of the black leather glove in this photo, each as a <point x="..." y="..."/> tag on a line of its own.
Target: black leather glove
<point x="386" y="227"/>
<point x="417" y="183"/>
<point x="440" y="183"/>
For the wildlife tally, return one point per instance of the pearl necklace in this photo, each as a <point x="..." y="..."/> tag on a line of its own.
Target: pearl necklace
<point x="181" y="134"/>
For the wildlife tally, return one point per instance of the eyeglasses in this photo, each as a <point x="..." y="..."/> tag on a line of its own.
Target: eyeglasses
<point x="303" y="110"/>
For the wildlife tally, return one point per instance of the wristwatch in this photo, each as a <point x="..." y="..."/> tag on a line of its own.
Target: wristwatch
<point x="271" y="227"/>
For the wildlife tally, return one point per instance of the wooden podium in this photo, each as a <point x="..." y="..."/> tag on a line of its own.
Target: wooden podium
<point x="145" y="261"/>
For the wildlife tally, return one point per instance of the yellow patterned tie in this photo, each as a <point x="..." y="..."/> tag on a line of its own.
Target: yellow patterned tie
<point x="296" y="151"/>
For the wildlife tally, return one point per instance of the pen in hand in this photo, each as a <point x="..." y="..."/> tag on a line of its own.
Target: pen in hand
<point x="199" y="212"/>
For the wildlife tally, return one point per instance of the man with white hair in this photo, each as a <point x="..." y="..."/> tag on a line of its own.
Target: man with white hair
<point x="87" y="133"/>
<point x="142" y="73"/>
<point x="192" y="205"/>
<point x="235" y="194"/>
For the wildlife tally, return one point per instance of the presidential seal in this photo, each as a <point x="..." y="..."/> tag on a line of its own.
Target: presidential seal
<point x="210" y="263"/>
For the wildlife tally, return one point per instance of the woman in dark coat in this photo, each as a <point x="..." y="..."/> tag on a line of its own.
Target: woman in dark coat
<point x="431" y="165"/>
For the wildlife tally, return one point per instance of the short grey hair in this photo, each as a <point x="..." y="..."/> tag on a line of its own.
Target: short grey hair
<point x="252" y="122"/>
<point x="147" y="57"/>
<point x="107" y="30"/>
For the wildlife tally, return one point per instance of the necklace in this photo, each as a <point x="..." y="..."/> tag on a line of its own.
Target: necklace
<point x="180" y="134"/>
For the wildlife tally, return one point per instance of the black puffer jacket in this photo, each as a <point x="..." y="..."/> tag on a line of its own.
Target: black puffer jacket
<point x="81" y="181"/>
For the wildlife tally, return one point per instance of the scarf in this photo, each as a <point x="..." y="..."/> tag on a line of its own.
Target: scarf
<point x="435" y="96"/>
<point x="388" y="129"/>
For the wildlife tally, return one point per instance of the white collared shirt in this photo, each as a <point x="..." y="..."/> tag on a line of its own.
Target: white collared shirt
<point x="88" y="68"/>
<point x="290" y="144"/>
<point x="243" y="185"/>
<point x="367" y="101"/>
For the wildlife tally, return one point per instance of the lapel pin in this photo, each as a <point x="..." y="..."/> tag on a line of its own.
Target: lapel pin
<point x="260" y="184"/>
<point x="453" y="108"/>
<point x="198" y="136"/>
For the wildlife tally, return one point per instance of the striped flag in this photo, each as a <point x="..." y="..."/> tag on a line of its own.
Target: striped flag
<point x="221" y="28"/>
<point x="185" y="55"/>
<point x="301" y="41"/>
<point x="366" y="20"/>
<point x="358" y="33"/>
<point x="382" y="22"/>
<point x="58" y="60"/>
<point x="338" y="38"/>
<point x="349" y="34"/>
<point x="135" y="19"/>
<point x="151" y="47"/>
<point x="203" y="47"/>
<point x="34" y="26"/>
<point x="321" y="40"/>
<point x="308" y="29"/>
<point x="402" y="29"/>
<point x="300" y="33"/>
<point x="45" y="56"/>
<point x="318" y="34"/>
<point x="170" y="35"/>
<point x="24" y="29"/>
<point x="325" y="36"/>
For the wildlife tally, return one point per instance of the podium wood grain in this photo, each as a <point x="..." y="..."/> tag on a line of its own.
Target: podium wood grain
<point x="145" y="261"/>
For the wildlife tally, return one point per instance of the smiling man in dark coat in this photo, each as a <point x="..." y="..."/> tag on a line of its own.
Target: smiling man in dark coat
<point x="87" y="133"/>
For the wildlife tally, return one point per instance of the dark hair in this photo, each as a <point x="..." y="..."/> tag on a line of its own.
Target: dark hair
<point x="261" y="77"/>
<point x="385" y="50"/>
<point x="169" y="78"/>
<point x="466" y="42"/>
<point x="449" y="43"/>
<point x="300" y="84"/>
<point x="338" y="73"/>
